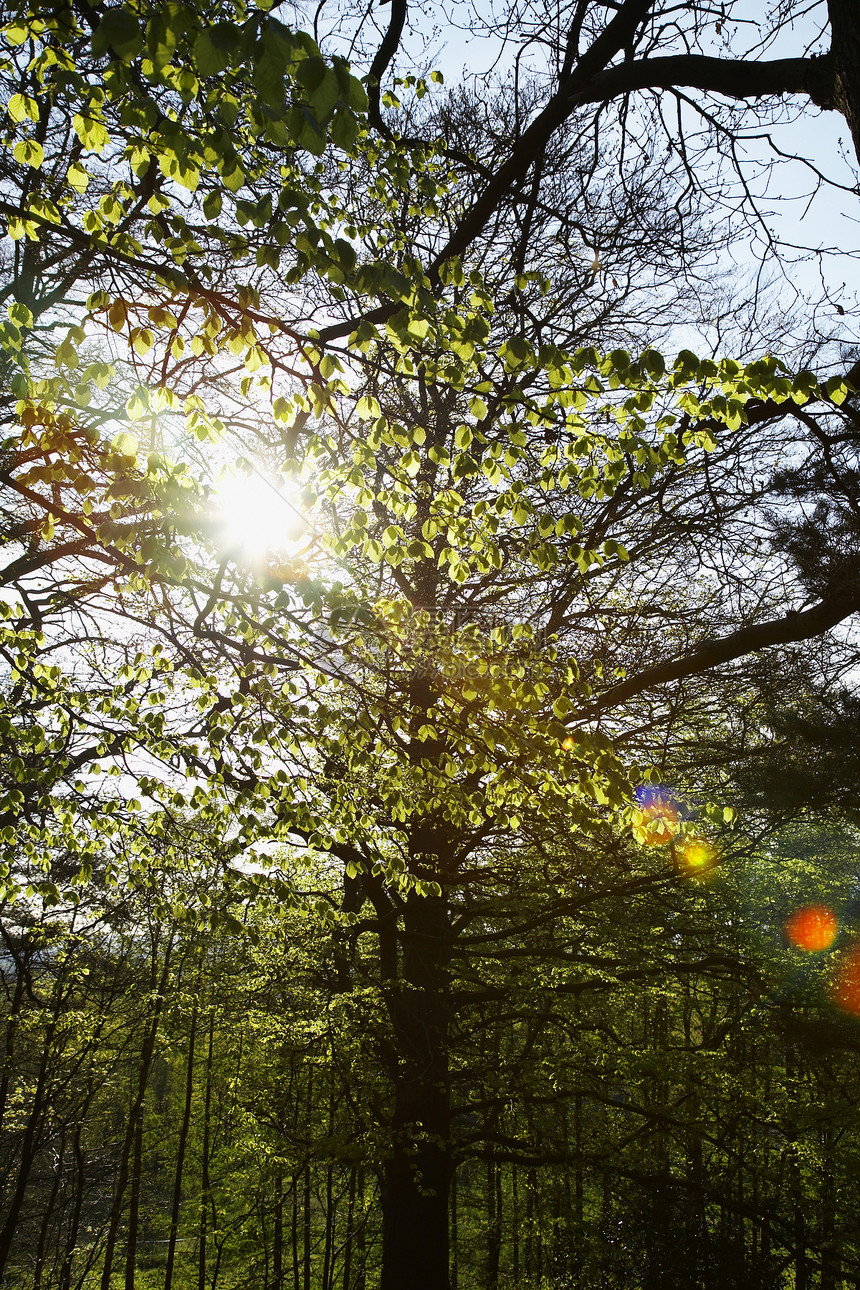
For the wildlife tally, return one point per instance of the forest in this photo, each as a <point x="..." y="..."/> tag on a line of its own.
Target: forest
<point x="429" y="568"/>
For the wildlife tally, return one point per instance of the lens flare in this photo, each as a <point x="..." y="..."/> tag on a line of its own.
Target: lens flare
<point x="812" y="927"/>
<point x="845" y="986"/>
<point x="697" y="858"/>
<point x="658" y="818"/>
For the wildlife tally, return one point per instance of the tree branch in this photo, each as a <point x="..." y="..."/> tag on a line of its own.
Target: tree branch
<point x="735" y="79"/>
<point x="795" y="626"/>
<point x="378" y="67"/>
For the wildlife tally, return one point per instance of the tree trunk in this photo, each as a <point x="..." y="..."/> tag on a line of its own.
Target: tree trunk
<point x="515" y="1226"/>
<point x="7" y="1066"/>
<point x="50" y="1212"/>
<point x="134" y="1205"/>
<point x="455" y="1236"/>
<point x="494" y="1223"/>
<point x="65" y="1277"/>
<point x="306" y="1227"/>
<point x="845" y="52"/>
<point x="133" y="1130"/>
<point x="417" y="1176"/>
<point x="350" y="1232"/>
<point x="203" y="1228"/>
<point x="295" y="1232"/>
<point x="176" y="1203"/>
<point x="278" y="1234"/>
<point x="31" y="1141"/>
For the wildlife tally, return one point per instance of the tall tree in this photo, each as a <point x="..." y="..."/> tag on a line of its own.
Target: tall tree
<point x="495" y="520"/>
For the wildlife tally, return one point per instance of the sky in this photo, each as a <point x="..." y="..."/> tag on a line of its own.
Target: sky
<point x="810" y="207"/>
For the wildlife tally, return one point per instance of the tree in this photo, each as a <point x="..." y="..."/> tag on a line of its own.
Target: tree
<point x="695" y="92"/>
<point x="483" y="495"/>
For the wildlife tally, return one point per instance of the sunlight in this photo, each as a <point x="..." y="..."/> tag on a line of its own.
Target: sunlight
<point x="258" y="521"/>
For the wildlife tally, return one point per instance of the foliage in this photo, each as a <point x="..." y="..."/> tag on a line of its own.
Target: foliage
<point x="210" y="251"/>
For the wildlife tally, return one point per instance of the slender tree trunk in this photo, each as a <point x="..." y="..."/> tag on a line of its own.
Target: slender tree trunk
<point x="30" y="1142"/>
<point x="830" y="1250"/>
<point x="578" y="1191"/>
<point x="295" y="1232"/>
<point x="132" y="1135"/>
<point x="494" y="1224"/>
<point x="515" y="1225"/>
<point x="801" y="1262"/>
<point x="330" y="1207"/>
<point x="134" y="1204"/>
<point x="65" y="1278"/>
<point x="306" y="1239"/>
<point x="330" y="1217"/>
<point x="12" y="1023"/>
<point x="350" y="1230"/>
<point x="48" y="1215"/>
<point x="181" y="1147"/>
<point x="277" y="1234"/>
<point x="360" y="1242"/>
<point x="455" y="1236"/>
<point x="204" y="1162"/>
<point x="264" y="1236"/>
<point x="528" y="1252"/>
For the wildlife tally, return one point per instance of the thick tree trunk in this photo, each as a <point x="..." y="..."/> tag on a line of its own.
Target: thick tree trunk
<point x="415" y="1219"/>
<point x="417" y="1176"/>
<point x="845" y="50"/>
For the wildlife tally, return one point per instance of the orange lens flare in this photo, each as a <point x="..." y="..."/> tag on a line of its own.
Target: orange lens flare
<point x="656" y="824"/>
<point x="696" y="858"/>
<point x="813" y="927"/>
<point x="845" y="986"/>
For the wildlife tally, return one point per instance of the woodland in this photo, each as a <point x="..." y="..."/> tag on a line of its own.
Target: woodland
<point x="429" y="518"/>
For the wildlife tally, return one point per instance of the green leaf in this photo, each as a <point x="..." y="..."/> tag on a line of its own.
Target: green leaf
<point x="344" y="129"/>
<point x="29" y="153"/>
<point x="17" y="32"/>
<point x="654" y="364"/>
<point x="77" y="178"/>
<point x="126" y="443"/>
<point x="21" y="108"/>
<point x="216" y="48"/>
<point x="212" y="204"/>
<point x="162" y="33"/>
<point x="138" y="404"/>
<point x="305" y="130"/>
<point x="92" y="133"/>
<point x="837" y="390"/>
<point x="119" y="30"/>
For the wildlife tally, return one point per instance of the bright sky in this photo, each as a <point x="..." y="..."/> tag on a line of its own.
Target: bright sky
<point x="450" y="37"/>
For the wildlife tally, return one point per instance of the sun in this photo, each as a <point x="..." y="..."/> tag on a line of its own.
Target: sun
<point x="256" y="518"/>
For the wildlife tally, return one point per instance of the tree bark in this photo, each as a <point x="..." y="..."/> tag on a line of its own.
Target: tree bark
<point x="204" y="1163"/>
<point x="184" y="1127"/>
<point x="845" y="52"/>
<point x="417" y="1176"/>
